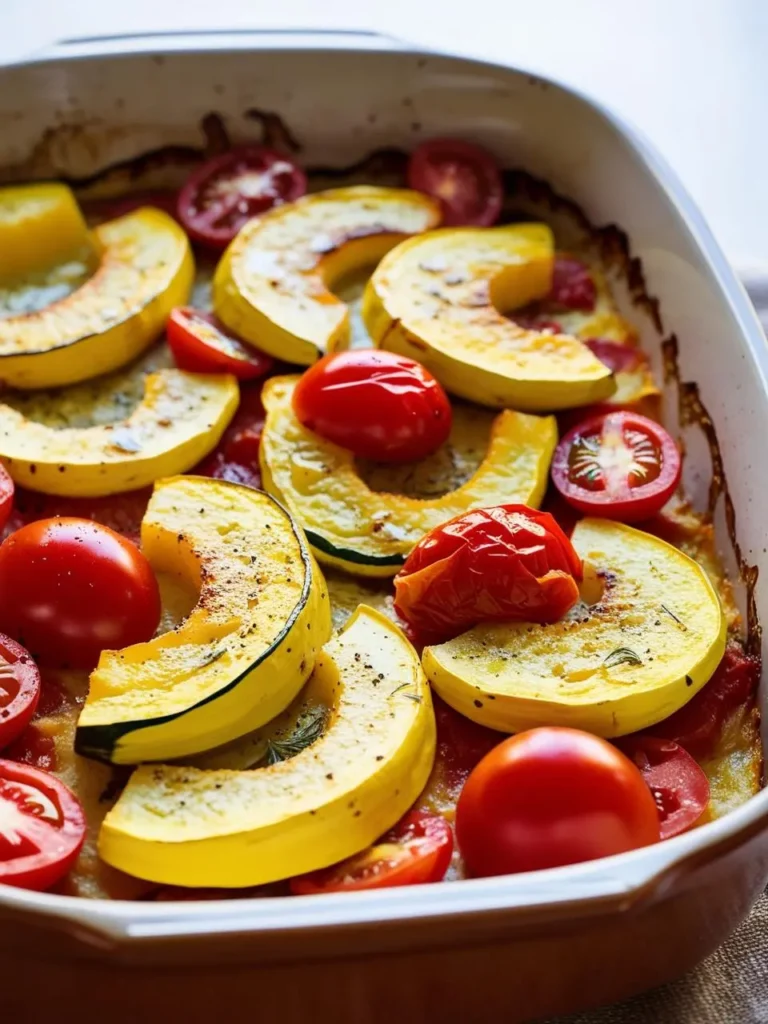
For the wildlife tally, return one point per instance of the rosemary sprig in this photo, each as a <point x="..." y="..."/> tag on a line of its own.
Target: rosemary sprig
<point x="303" y="736"/>
<point x="672" y="615"/>
<point x="622" y="656"/>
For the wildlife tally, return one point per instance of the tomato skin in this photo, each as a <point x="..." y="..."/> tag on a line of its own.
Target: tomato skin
<point x="19" y="689"/>
<point x="619" y="358"/>
<point x="36" y="850"/>
<point x="550" y="797"/>
<point x="505" y="562"/>
<point x="698" y="724"/>
<point x="597" y="470"/>
<point x="463" y="176"/>
<point x="573" y="286"/>
<point x="69" y="588"/>
<point x="120" y="512"/>
<point x="679" y="787"/>
<point x="416" y="851"/>
<point x="227" y="191"/>
<point x="379" y="405"/>
<point x="200" y="343"/>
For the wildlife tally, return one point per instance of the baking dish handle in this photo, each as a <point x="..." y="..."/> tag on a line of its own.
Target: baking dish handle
<point x="218" y="39"/>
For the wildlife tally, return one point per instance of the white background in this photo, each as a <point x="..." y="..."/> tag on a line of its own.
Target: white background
<point x="692" y="74"/>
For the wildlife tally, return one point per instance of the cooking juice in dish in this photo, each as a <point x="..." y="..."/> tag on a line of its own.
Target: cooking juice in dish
<point x="344" y="544"/>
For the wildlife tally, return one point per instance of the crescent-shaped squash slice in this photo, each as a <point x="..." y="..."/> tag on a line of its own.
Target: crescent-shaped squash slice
<point x="369" y="532"/>
<point x="651" y="637"/>
<point x="143" y="268"/>
<point x="273" y="284"/>
<point x="188" y="826"/>
<point x="440" y="298"/>
<point x="242" y="654"/>
<point x="178" y="419"/>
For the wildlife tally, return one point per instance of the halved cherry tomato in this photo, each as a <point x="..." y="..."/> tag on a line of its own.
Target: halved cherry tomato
<point x="698" y="724"/>
<point x="202" y="344"/>
<point x="573" y="286"/>
<point x="227" y="191"/>
<point x="19" y="689"/>
<point x="618" y="465"/>
<point x="617" y="357"/>
<point x="42" y="827"/>
<point x="236" y="457"/>
<point x="679" y="787"/>
<point x="464" y="177"/>
<point x="7" y="491"/>
<point x="417" y="850"/>
<point x="506" y="562"/>
<point x="70" y="588"/>
<point x="549" y="797"/>
<point x="379" y="405"/>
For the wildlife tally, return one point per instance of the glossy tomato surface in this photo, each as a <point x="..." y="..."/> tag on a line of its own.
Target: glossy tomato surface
<point x="70" y="588"/>
<point x="19" y="689"/>
<point x="417" y="850"/>
<point x="464" y="177"/>
<point x="42" y="827"/>
<point x="618" y="465"/>
<point x="200" y="343"/>
<point x="228" y="190"/>
<point x="505" y="562"/>
<point x="549" y="797"/>
<point x="573" y="286"/>
<point x="679" y="787"/>
<point x="379" y="405"/>
<point x="698" y="725"/>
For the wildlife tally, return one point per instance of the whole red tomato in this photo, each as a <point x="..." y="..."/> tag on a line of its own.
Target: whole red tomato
<point x="379" y="405"/>
<point x="505" y="562"/>
<point x="549" y="797"/>
<point x="70" y="588"/>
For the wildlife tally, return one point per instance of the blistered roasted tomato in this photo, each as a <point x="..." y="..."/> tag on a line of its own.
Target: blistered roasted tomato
<point x="42" y="827"/>
<point x="698" y="724"/>
<point x="505" y="562"/>
<point x="573" y="286"/>
<point x="417" y="850"/>
<point x="379" y="405"/>
<point x="202" y="344"/>
<point x="679" y="787"/>
<point x="618" y="465"/>
<point x="19" y="689"/>
<point x="549" y="797"/>
<point x="464" y="177"/>
<point x="225" y="192"/>
<point x="70" y="588"/>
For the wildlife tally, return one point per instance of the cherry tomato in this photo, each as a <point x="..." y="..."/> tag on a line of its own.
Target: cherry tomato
<point x="506" y="562"/>
<point x="464" y="177"/>
<point x="617" y="357"/>
<point x="120" y="512"/>
<point x="236" y="457"/>
<point x="679" y="787"/>
<point x="549" y="797"/>
<point x="573" y="286"/>
<point x="19" y="689"/>
<point x="42" y="827"/>
<point x="698" y="725"/>
<point x="379" y="405"/>
<point x="618" y="465"/>
<point x="69" y="588"/>
<point x="228" y="190"/>
<point x="202" y="344"/>
<point x="417" y="850"/>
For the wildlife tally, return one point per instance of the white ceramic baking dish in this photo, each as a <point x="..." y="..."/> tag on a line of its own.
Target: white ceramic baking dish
<point x="520" y="946"/>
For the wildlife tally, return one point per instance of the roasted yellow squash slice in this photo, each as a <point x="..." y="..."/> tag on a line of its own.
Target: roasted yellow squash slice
<point x="143" y="268"/>
<point x="440" y="298"/>
<point x="651" y="637"/>
<point x="188" y="826"/>
<point x="242" y="654"/>
<point x="177" y="419"/>
<point x="273" y="284"/>
<point x="370" y="532"/>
